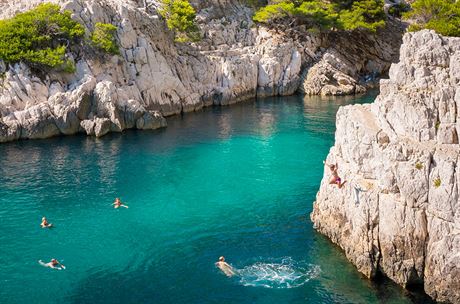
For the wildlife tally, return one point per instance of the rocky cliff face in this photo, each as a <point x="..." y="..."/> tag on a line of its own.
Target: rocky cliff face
<point x="399" y="211"/>
<point x="153" y="77"/>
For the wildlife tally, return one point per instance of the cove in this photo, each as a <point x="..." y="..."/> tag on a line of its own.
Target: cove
<point x="237" y="181"/>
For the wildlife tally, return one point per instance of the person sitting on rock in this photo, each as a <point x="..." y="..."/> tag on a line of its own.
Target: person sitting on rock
<point x="45" y="223"/>
<point x="117" y="204"/>
<point x="335" y="178"/>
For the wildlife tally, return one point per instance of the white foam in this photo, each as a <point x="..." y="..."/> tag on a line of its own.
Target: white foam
<point x="286" y="273"/>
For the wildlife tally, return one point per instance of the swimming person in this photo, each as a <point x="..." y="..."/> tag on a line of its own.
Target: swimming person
<point x="335" y="178"/>
<point x="55" y="264"/>
<point x="117" y="204"/>
<point x="45" y="223"/>
<point x="225" y="267"/>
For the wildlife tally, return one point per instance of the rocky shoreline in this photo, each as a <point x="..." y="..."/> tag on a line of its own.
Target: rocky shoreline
<point x="399" y="212"/>
<point x="153" y="77"/>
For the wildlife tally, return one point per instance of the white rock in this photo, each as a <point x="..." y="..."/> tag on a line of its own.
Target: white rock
<point x="404" y="149"/>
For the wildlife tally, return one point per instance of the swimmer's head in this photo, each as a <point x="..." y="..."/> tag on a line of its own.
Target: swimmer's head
<point x="53" y="260"/>
<point x="43" y="218"/>
<point x="221" y="259"/>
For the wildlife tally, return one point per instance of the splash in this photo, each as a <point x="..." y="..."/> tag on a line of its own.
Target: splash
<point x="284" y="274"/>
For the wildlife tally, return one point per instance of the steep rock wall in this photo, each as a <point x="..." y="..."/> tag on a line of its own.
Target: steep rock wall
<point x="152" y="78"/>
<point x="399" y="211"/>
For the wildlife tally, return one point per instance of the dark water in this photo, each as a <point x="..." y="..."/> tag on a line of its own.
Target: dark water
<point x="237" y="181"/>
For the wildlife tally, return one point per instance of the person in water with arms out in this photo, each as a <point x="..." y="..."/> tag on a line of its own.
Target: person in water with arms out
<point x="45" y="223"/>
<point x="117" y="204"/>
<point x="54" y="264"/>
<point x="335" y="179"/>
<point x="225" y="267"/>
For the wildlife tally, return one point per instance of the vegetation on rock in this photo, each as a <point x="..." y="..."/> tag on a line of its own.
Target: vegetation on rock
<point x="180" y="17"/>
<point x="103" y="38"/>
<point x="443" y="16"/>
<point x="399" y="9"/>
<point x="43" y="37"/>
<point x="39" y="37"/>
<point x="325" y="15"/>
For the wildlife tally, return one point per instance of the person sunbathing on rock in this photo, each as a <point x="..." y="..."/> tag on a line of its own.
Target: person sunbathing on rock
<point x="335" y="178"/>
<point x="117" y="204"/>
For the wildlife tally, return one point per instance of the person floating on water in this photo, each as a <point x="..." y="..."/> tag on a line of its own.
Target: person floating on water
<point x="55" y="264"/>
<point x="225" y="267"/>
<point x="45" y="223"/>
<point x="335" y="179"/>
<point x="117" y="204"/>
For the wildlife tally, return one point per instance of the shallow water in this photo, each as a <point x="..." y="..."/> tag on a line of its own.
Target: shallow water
<point x="237" y="181"/>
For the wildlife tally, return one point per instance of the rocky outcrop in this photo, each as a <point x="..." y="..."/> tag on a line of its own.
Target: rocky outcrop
<point x="154" y="77"/>
<point x="399" y="211"/>
<point x="353" y="62"/>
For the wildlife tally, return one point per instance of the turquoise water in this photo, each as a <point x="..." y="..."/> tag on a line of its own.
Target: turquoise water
<point x="237" y="181"/>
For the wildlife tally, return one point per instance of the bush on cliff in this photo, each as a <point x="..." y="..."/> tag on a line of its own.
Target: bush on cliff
<point x="39" y="37"/>
<point x="326" y="15"/>
<point x="103" y="38"/>
<point x="443" y="16"/>
<point x="180" y="17"/>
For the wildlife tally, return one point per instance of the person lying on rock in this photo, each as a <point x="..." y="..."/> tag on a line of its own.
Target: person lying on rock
<point x="335" y="178"/>
<point x="117" y="204"/>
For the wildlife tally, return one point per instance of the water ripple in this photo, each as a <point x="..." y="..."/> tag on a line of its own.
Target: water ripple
<point x="287" y="273"/>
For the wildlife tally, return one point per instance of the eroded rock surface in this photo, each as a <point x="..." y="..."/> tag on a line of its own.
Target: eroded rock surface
<point x="399" y="211"/>
<point x="154" y="77"/>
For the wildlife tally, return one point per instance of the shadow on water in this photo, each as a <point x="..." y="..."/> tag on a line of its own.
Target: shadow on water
<point x="332" y="259"/>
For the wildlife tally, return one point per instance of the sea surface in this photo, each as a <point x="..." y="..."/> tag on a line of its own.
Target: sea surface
<point x="236" y="181"/>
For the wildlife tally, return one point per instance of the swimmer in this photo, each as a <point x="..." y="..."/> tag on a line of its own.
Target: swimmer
<point x="335" y="179"/>
<point x="117" y="204"/>
<point x="45" y="223"/>
<point x="225" y="267"/>
<point x="55" y="264"/>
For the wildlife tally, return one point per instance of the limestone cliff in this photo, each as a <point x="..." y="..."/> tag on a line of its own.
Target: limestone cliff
<point x="399" y="211"/>
<point x="153" y="77"/>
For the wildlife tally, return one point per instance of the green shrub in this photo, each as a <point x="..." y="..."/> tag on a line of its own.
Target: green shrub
<point x="180" y="17"/>
<point x="443" y="16"/>
<point x="364" y="14"/>
<point x="437" y="182"/>
<point x="419" y="166"/>
<point x="399" y="9"/>
<point x="275" y="11"/>
<point x="39" y="37"/>
<point x="326" y="15"/>
<point x="104" y="39"/>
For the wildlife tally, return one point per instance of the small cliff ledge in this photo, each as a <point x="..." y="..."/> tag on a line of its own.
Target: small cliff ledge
<point x="399" y="212"/>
